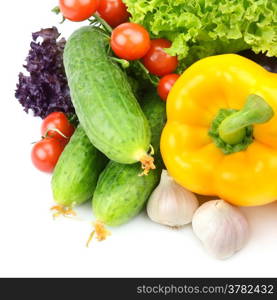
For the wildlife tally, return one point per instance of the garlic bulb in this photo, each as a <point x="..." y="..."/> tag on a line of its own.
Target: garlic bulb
<point x="221" y="227"/>
<point x="171" y="204"/>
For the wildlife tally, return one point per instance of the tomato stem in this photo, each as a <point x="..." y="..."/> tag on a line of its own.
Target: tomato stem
<point x="123" y="62"/>
<point x="152" y="78"/>
<point x="54" y="129"/>
<point x="56" y="10"/>
<point x="98" y="19"/>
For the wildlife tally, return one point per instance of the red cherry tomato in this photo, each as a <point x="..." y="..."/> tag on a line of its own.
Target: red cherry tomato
<point x="114" y="12"/>
<point x="165" y="85"/>
<point x="59" y="121"/>
<point x="78" y="10"/>
<point x="157" y="61"/>
<point x="45" y="154"/>
<point x="130" y="41"/>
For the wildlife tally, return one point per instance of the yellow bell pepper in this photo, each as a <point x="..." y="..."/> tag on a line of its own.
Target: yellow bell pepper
<point x="221" y="135"/>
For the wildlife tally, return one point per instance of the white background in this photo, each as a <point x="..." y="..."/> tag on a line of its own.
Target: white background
<point x="32" y="244"/>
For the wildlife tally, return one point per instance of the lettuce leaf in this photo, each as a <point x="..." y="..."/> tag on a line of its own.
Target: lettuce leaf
<point x="200" y="28"/>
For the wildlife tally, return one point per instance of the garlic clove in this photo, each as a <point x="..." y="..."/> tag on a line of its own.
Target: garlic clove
<point x="221" y="227"/>
<point x="170" y="204"/>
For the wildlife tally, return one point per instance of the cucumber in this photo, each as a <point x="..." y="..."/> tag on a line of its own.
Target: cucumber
<point x="102" y="96"/>
<point x="76" y="173"/>
<point x="120" y="193"/>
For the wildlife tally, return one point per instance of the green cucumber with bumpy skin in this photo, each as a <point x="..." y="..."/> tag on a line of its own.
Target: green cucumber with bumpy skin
<point x="76" y="173"/>
<point x="103" y="99"/>
<point x="120" y="193"/>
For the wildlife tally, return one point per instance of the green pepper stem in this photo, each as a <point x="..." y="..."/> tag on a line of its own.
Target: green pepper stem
<point x="255" y="111"/>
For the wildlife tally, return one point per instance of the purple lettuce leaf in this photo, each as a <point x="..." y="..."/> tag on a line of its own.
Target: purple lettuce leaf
<point x="45" y="88"/>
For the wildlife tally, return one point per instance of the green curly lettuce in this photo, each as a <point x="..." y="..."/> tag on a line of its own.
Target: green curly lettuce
<point x="200" y="28"/>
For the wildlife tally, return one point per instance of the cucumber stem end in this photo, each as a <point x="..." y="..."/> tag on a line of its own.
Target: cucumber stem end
<point x="100" y="231"/>
<point x="60" y="210"/>
<point x="147" y="164"/>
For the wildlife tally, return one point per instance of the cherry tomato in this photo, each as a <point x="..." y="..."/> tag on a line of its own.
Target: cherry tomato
<point x="114" y="12"/>
<point x="157" y="61"/>
<point x="78" y="10"/>
<point x="165" y="85"/>
<point x="130" y="41"/>
<point x="59" y="121"/>
<point x="45" y="154"/>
